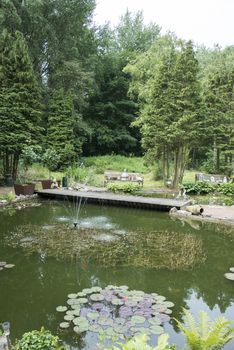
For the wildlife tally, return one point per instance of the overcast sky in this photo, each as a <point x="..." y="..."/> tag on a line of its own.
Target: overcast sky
<point x="206" y="22"/>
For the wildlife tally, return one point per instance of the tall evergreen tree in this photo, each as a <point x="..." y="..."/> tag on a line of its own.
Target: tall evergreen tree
<point x="20" y="100"/>
<point x="61" y="124"/>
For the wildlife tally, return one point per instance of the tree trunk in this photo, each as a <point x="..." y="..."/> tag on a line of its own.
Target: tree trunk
<point x="176" y="168"/>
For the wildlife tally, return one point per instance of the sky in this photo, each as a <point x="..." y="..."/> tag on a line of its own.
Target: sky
<point x="207" y="22"/>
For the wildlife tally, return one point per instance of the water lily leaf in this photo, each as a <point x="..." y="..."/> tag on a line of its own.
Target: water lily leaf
<point x="75" y="306"/>
<point x="119" y="328"/>
<point x="130" y="303"/>
<point x="96" y="289"/>
<point x="93" y="315"/>
<point x="97" y="297"/>
<point x="117" y="302"/>
<point x="168" y="311"/>
<point x="120" y="320"/>
<point x="97" y="306"/>
<point x="81" y="294"/>
<point x="72" y="296"/>
<point x="138" y="319"/>
<point x="156" y="329"/>
<point x="1" y="268"/>
<point x="76" y="312"/>
<point x="73" y="302"/>
<point x="2" y="263"/>
<point x="9" y="266"/>
<point x="61" y="308"/>
<point x="231" y="268"/>
<point x="95" y="328"/>
<point x="87" y="291"/>
<point x="104" y="321"/>
<point x="80" y="321"/>
<point x="80" y="329"/>
<point x="69" y="317"/>
<point x="168" y="304"/>
<point x="64" y="325"/>
<point x="155" y="321"/>
<point x="229" y="276"/>
<point x="82" y="300"/>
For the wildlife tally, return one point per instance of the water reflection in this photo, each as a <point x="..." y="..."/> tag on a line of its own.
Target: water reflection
<point x="151" y="253"/>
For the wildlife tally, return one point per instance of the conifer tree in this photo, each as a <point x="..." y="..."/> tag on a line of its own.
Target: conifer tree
<point x="61" y="124"/>
<point x="20" y="101"/>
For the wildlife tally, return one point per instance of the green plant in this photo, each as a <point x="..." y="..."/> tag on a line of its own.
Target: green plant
<point x="206" y="335"/>
<point x="199" y="187"/>
<point x="140" y="342"/>
<point x="125" y="187"/>
<point x="51" y="159"/>
<point x="38" y="340"/>
<point x="227" y="189"/>
<point x="10" y="196"/>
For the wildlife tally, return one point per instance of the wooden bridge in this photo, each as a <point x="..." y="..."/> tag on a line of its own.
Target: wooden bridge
<point x="162" y="204"/>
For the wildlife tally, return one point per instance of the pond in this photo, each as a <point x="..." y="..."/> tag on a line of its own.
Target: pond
<point x="184" y="261"/>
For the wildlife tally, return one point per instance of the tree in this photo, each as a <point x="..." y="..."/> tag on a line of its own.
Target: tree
<point x="20" y="101"/>
<point x="165" y="81"/>
<point x="61" y="123"/>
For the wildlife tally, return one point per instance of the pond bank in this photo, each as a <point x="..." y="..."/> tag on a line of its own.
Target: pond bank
<point x="212" y="213"/>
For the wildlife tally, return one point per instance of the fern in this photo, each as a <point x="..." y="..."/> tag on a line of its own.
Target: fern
<point x="206" y="335"/>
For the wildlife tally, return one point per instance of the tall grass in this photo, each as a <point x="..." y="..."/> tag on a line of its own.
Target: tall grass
<point x="116" y="163"/>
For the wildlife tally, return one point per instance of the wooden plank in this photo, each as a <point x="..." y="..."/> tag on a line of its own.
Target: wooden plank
<point x="163" y="204"/>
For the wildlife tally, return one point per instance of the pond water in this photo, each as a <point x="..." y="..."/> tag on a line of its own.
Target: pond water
<point x="146" y="250"/>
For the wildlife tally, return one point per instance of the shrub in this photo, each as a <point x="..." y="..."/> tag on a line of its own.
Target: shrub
<point x="38" y="340"/>
<point x="125" y="187"/>
<point x="227" y="189"/>
<point x="199" y="188"/>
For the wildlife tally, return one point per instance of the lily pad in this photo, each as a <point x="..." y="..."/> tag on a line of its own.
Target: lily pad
<point x="138" y="319"/>
<point x="64" y="325"/>
<point x="72" y="296"/>
<point x="76" y="312"/>
<point x="231" y="268"/>
<point x="117" y="302"/>
<point x="229" y="276"/>
<point x="156" y="329"/>
<point x="155" y="321"/>
<point x="93" y="315"/>
<point x="80" y="321"/>
<point x="130" y="303"/>
<point x="73" y="302"/>
<point x="80" y="329"/>
<point x="9" y="266"/>
<point x="81" y="294"/>
<point x="120" y="320"/>
<point x="168" y="304"/>
<point x="97" y="297"/>
<point x="1" y="268"/>
<point x="95" y="328"/>
<point x="61" y="308"/>
<point x="82" y="300"/>
<point x="104" y="321"/>
<point x="69" y="317"/>
<point x="96" y="289"/>
<point x="2" y="263"/>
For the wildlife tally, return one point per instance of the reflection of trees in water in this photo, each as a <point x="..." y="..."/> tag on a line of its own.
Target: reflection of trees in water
<point x="173" y="251"/>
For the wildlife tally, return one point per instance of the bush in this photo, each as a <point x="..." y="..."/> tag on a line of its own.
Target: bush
<point x="199" y="188"/>
<point x="227" y="189"/>
<point x="38" y="340"/>
<point x="79" y="174"/>
<point x="125" y="187"/>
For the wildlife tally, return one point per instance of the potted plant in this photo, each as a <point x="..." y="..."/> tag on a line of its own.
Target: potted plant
<point x="28" y="157"/>
<point x="50" y="159"/>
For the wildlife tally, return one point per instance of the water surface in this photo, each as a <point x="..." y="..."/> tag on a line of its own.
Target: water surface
<point x="40" y="281"/>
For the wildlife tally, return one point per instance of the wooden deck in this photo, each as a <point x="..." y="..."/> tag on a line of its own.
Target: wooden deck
<point x="116" y="199"/>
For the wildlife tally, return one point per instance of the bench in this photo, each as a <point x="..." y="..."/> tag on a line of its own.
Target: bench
<point x="124" y="177"/>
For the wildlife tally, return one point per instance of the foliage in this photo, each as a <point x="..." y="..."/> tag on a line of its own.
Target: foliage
<point x="20" y="100"/>
<point x="51" y="159"/>
<point x="126" y="187"/>
<point x="38" y="340"/>
<point x="30" y="155"/>
<point x="198" y="187"/>
<point x="206" y="335"/>
<point x="227" y="189"/>
<point x="81" y="174"/>
<point x="140" y="342"/>
<point x="10" y="196"/>
<point x="116" y="163"/>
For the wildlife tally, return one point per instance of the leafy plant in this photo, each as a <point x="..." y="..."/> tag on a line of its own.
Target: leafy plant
<point x="38" y="340"/>
<point x="199" y="187"/>
<point x="227" y="189"/>
<point x="51" y="159"/>
<point x="206" y="335"/>
<point x="140" y="342"/>
<point x="10" y="196"/>
<point x="125" y="187"/>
